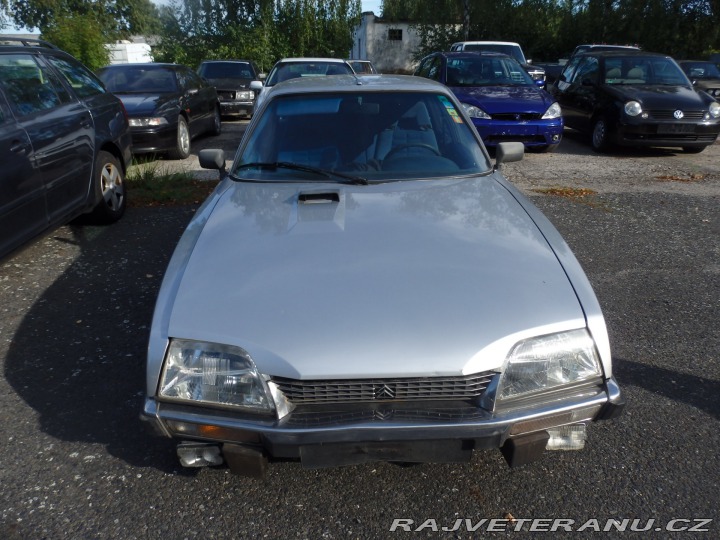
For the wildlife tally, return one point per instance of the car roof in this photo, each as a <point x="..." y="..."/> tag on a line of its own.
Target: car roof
<point x="216" y="61"/>
<point x="623" y="53"/>
<point x="354" y="83"/>
<point x="335" y="60"/>
<point x="486" y="43"/>
<point x="473" y="54"/>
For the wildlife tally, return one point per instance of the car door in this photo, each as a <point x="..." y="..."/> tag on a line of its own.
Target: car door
<point x="60" y="129"/>
<point x="577" y="93"/>
<point x="22" y="194"/>
<point x="196" y="101"/>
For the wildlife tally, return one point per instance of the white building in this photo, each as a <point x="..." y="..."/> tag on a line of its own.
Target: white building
<point x="389" y="45"/>
<point x="128" y="52"/>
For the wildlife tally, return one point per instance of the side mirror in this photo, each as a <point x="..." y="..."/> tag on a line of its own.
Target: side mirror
<point x="256" y="85"/>
<point x="213" y="158"/>
<point x="540" y="83"/>
<point x="507" y="152"/>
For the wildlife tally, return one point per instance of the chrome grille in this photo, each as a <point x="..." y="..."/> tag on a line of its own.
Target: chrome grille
<point x="374" y="390"/>
<point x="667" y="114"/>
<point x="365" y="415"/>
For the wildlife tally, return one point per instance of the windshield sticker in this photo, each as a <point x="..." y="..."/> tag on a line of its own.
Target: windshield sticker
<point x="450" y="109"/>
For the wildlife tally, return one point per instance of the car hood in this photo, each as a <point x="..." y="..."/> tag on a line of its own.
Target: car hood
<point x="505" y="99"/>
<point x="415" y="278"/>
<point x="148" y="104"/>
<point x="665" y="97"/>
<point x="229" y="84"/>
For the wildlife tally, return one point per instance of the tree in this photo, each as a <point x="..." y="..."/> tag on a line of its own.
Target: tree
<point x="116" y="17"/>
<point x="80" y="35"/>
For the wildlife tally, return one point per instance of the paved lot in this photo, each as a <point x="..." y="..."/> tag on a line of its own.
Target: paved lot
<point x="74" y="315"/>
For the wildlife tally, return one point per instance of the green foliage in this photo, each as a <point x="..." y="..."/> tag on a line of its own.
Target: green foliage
<point x="81" y="36"/>
<point x="550" y="29"/>
<point x="259" y="30"/>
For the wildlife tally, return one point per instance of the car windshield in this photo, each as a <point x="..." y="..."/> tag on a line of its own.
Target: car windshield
<point x="641" y="70"/>
<point x="486" y="71"/>
<point x="510" y="50"/>
<point x="294" y="70"/>
<point x="360" y="137"/>
<point x="138" y="79"/>
<point x="226" y="70"/>
<point x="701" y="70"/>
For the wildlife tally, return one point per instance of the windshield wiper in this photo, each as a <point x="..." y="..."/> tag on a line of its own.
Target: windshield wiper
<point x="347" y="179"/>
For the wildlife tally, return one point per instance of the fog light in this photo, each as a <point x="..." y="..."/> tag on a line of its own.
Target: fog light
<point x="567" y="437"/>
<point x="199" y="455"/>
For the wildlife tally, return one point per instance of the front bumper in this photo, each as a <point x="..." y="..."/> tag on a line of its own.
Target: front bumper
<point x="237" y="107"/>
<point x="381" y="432"/>
<point x="532" y="133"/>
<point x="667" y="134"/>
<point x="149" y="140"/>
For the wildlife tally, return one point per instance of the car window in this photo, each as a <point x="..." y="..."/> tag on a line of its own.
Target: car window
<point x="138" y="79"/>
<point x="701" y="70"/>
<point x="226" y="70"/>
<point x="570" y="68"/>
<point x="588" y="70"/>
<point x="380" y="137"/>
<point x="82" y="81"/>
<point x="189" y="80"/>
<point x="643" y="70"/>
<point x="28" y="86"/>
<point x="486" y="71"/>
<point x="294" y="70"/>
<point x="510" y="50"/>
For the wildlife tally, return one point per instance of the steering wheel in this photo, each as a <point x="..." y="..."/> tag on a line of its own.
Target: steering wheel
<point x="396" y="149"/>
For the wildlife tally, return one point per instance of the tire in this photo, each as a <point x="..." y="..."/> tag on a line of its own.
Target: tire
<point x="182" y="141"/>
<point x="110" y="182"/>
<point x="600" y="136"/>
<point x="217" y="123"/>
<point x="693" y="149"/>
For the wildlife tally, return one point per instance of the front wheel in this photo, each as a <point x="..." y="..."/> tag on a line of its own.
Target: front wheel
<point x="600" y="135"/>
<point x="182" y="141"/>
<point x="111" y="184"/>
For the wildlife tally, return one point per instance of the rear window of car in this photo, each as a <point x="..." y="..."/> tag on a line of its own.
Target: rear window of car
<point x="295" y="70"/>
<point x="226" y="70"/>
<point x="139" y="79"/>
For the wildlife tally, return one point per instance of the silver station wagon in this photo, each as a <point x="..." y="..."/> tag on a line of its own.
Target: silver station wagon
<point x="365" y="285"/>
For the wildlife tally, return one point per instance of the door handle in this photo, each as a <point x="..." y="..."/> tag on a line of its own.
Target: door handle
<point x="19" y="147"/>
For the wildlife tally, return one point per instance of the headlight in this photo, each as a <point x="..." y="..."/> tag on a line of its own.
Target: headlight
<point x="475" y="112"/>
<point x="553" y="111"/>
<point x="633" y="108"/>
<point x="547" y="362"/>
<point x="215" y="374"/>
<point x="715" y="109"/>
<point x="147" y="122"/>
<point x="245" y="94"/>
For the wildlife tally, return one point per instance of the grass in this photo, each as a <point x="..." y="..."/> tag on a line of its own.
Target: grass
<point x="155" y="184"/>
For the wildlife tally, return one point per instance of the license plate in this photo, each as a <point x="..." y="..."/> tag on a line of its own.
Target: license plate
<point x="676" y="128"/>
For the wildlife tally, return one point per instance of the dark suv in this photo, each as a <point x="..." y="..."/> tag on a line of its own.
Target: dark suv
<point x="232" y="80"/>
<point x="64" y="143"/>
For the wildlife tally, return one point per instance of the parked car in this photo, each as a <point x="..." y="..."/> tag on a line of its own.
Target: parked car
<point x="503" y="101"/>
<point x="553" y="70"/>
<point x="295" y="68"/>
<point x="703" y="74"/>
<point x="231" y="79"/>
<point x="505" y="47"/>
<point x="168" y="105"/>
<point x="64" y="143"/>
<point x="362" y="67"/>
<point x="635" y="98"/>
<point x="364" y="285"/>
